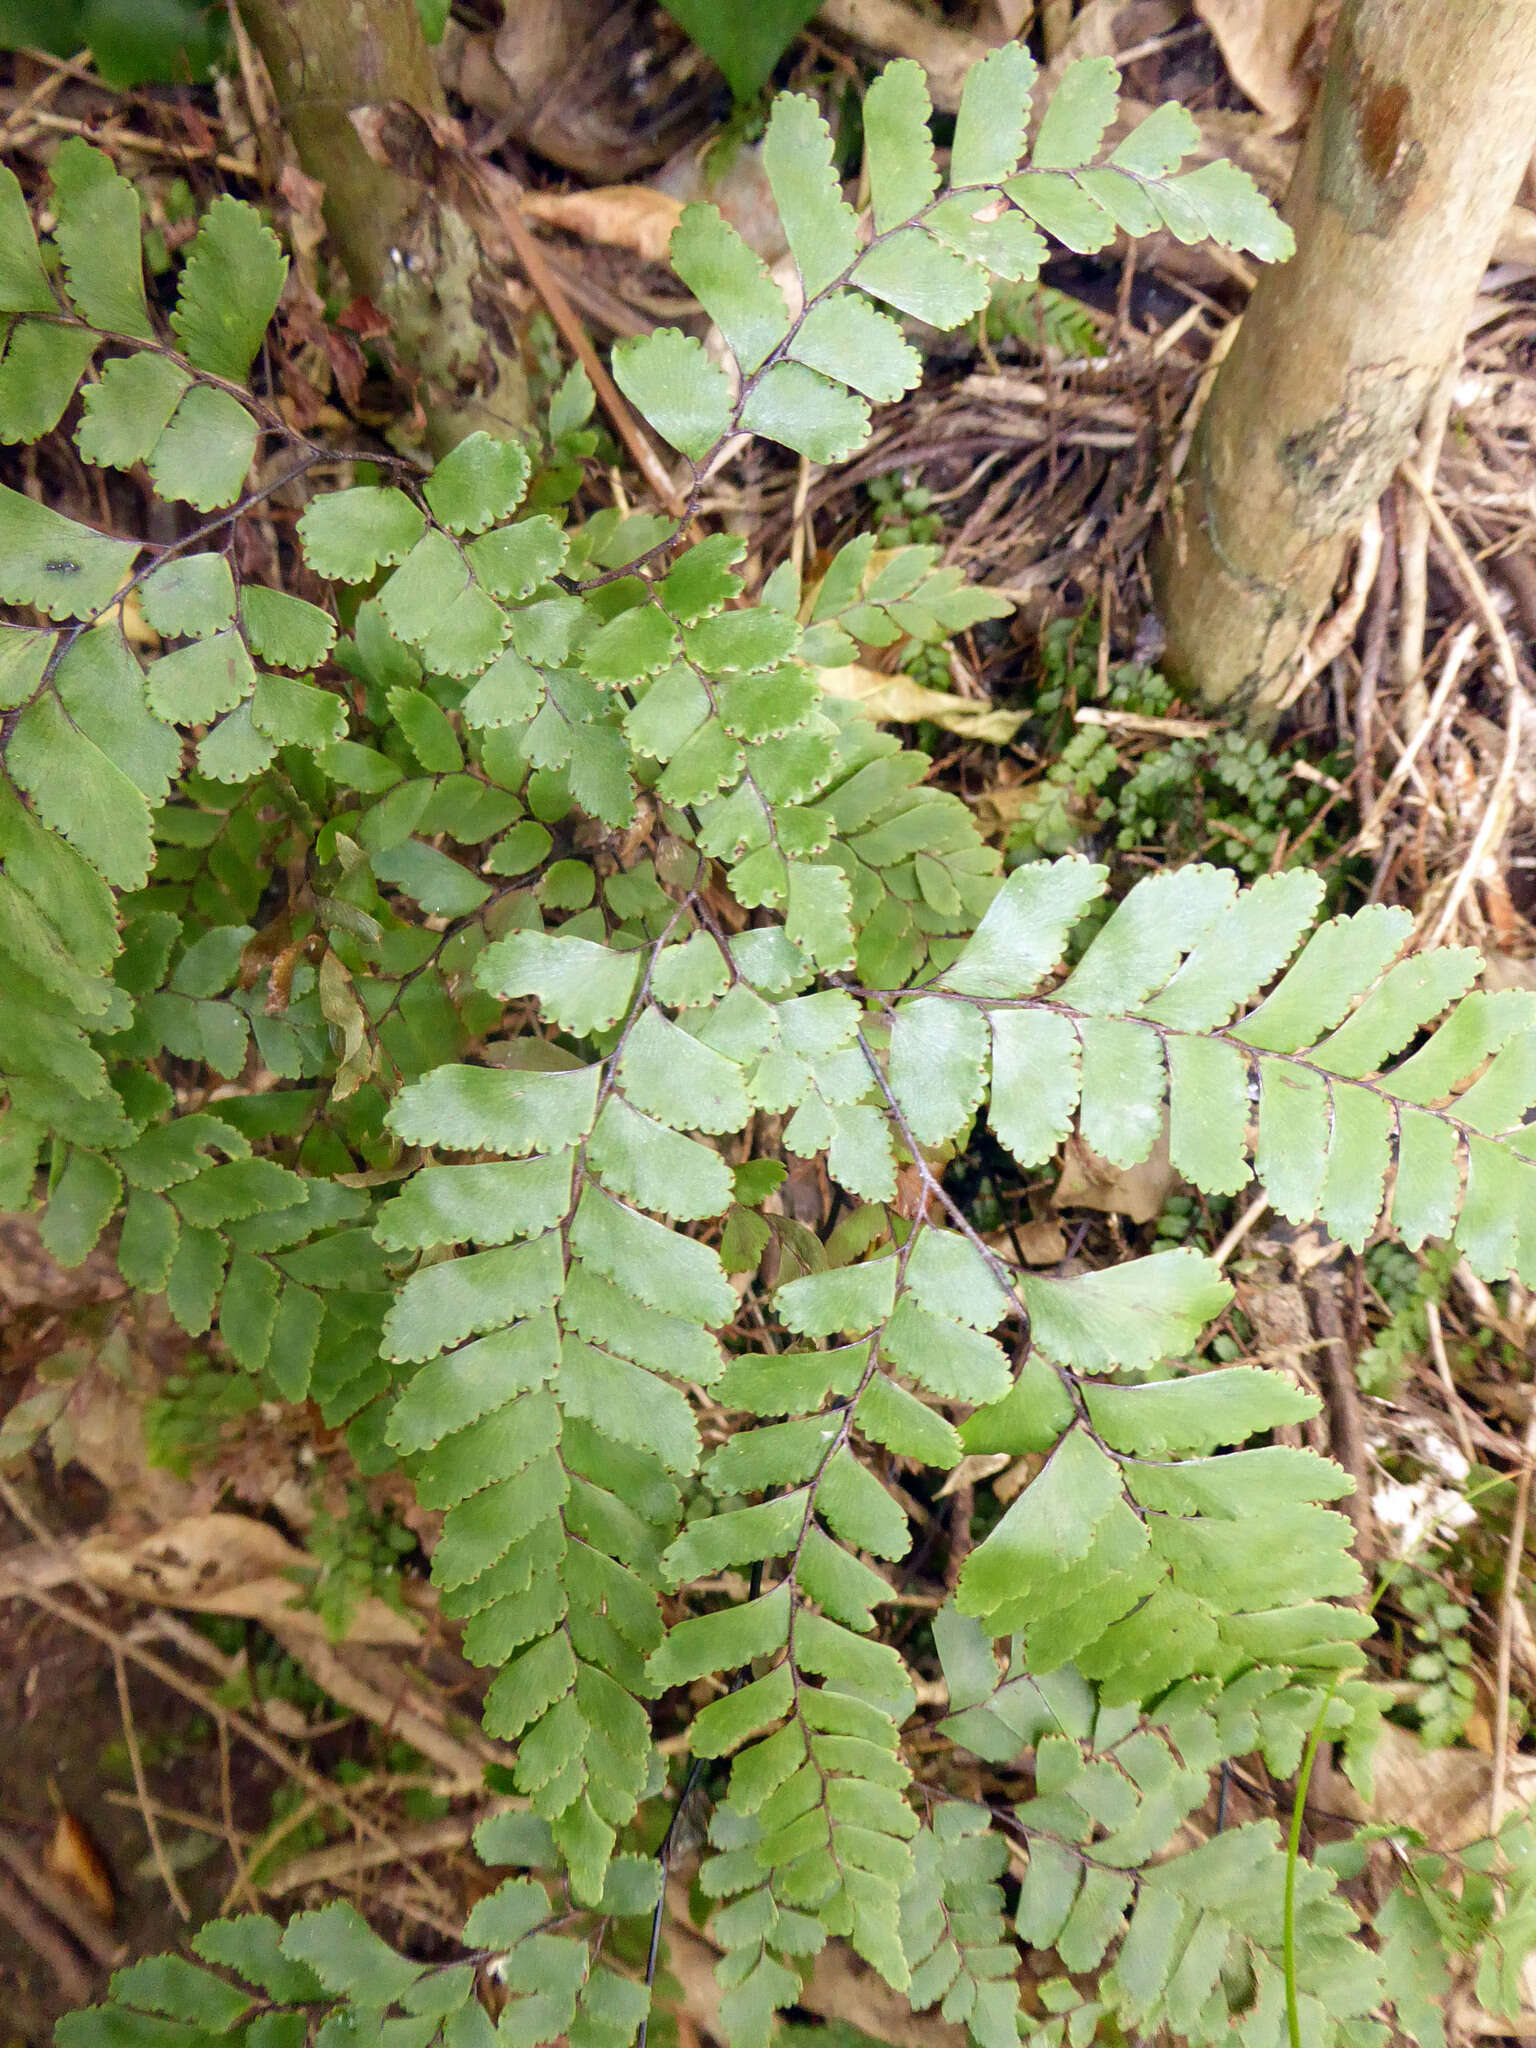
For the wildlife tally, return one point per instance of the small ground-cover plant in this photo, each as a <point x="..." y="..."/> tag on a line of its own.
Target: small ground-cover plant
<point x="1228" y="795"/>
<point x="442" y="1035"/>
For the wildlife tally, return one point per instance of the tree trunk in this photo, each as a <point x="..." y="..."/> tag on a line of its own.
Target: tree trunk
<point x="1424" y="126"/>
<point x="402" y="244"/>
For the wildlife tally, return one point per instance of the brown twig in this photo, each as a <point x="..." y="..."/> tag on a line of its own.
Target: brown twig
<point x="92" y="1936"/>
<point x="350" y="1859"/>
<point x="127" y="138"/>
<point x="1369" y="835"/>
<point x="1413" y="549"/>
<point x="18" y="1911"/>
<point x="1335" y="633"/>
<point x="1453" y="1401"/>
<point x="15" y="1505"/>
<point x="1240" y="1229"/>
<point x="140" y="1786"/>
<point x="1346" y="1423"/>
<point x="1514" y="1563"/>
<point x="1495" y="812"/>
<point x="526" y="248"/>
<point x="1372" y="657"/>
<point x="232" y="1836"/>
<point x="276" y="1752"/>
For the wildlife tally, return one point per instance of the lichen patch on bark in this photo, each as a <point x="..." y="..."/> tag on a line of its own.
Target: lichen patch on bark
<point x="1340" y="466"/>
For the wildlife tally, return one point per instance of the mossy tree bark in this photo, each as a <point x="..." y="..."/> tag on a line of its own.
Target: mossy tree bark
<point x="1424" y="126"/>
<point x="404" y="245"/>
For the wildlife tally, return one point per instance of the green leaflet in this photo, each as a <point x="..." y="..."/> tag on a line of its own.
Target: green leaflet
<point x="496" y="1110"/>
<point x="581" y="986"/>
<point x="190" y="594"/>
<point x="24" y="284"/>
<point x="819" y="226"/>
<point x="1023" y="934"/>
<point x="348" y="534"/>
<point x="65" y="569"/>
<point x="1080" y="109"/>
<point x="989" y="129"/>
<point x="903" y="172"/>
<point x="684" y="396"/>
<point x="731" y="282"/>
<point x="229" y="290"/>
<point x="206" y="450"/>
<point x="98" y="236"/>
<point x="42" y="366"/>
<point x="1127" y="1315"/>
<point x="127" y="409"/>
<point x="480" y="482"/>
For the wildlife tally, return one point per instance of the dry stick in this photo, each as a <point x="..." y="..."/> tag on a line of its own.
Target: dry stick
<point x="146" y="1804"/>
<point x="242" y="1882"/>
<point x="1437" y="1351"/>
<point x="799" y="524"/>
<point x="1413" y="550"/>
<point x="178" y="1816"/>
<point x="259" y="109"/>
<point x="262" y="1849"/>
<point x="1240" y="1229"/>
<point x="15" y="1504"/>
<point x="1509" y="1598"/>
<point x="1494" y="817"/>
<point x="1346" y="1425"/>
<point x="92" y="1936"/>
<point x="295" y="1767"/>
<point x="39" y="96"/>
<point x="463" y="1762"/>
<point x="1369" y="835"/>
<point x="531" y="257"/>
<point x="350" y="1859"/>
<point x="18" y="1911"/>
<point x="1335" y="634"/>
<point x="128" y="138"/>
<point x="1373" y="656"/>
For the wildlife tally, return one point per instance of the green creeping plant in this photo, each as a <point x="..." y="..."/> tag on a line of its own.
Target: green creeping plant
<point x="592" y="904"/>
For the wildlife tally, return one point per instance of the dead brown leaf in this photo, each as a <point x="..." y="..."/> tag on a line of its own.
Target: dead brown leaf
<point x="1505" y="970"/>
<point x="1441" y="1792"/>
<point x="107" y="1438"/>
<point x="1135" y="1192"/>
<point x="229" y="1564"/>
<point x="605" y="88"/>
<point x="623" y="216"/>
<point x="1264" y="43"/>
<point x="1043" y="1243"/>
<point x="74" y="1859"/>
<point x="898" y="30"/>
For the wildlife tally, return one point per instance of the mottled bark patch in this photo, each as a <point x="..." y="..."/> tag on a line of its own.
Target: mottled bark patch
<point x="1340" y="466"/>
<point x="1371" y="160"/>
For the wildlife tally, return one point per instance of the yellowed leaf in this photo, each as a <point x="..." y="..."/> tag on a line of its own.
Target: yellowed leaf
<point x="623" y="216"/>
<point x="897" y="699"/>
